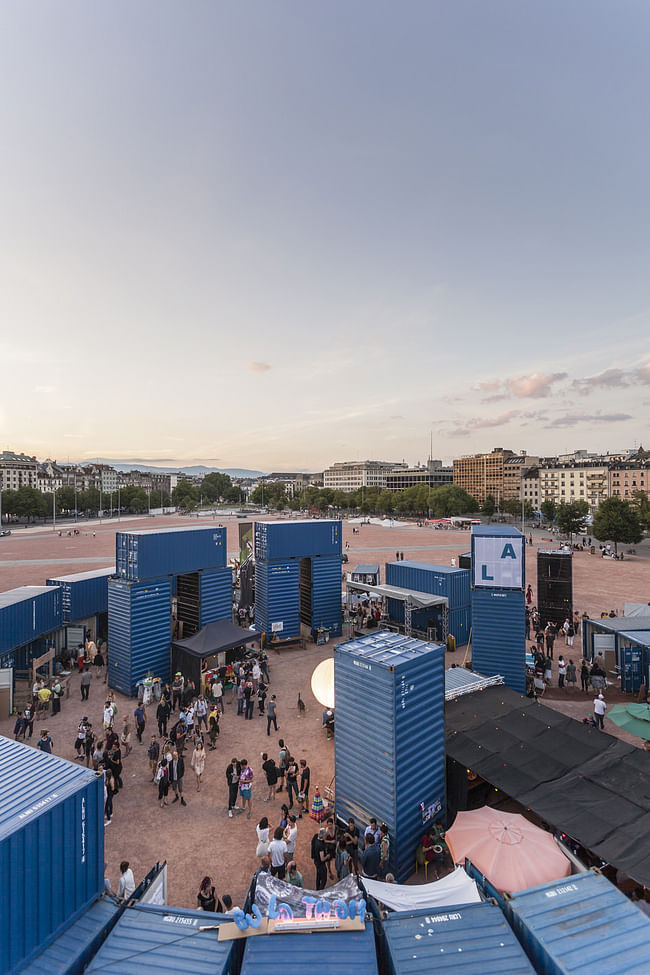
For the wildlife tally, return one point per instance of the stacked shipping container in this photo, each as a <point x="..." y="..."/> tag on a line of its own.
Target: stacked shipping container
<point x="139" y="632"/>
<point x="26" y="614"/>
<point x="83" y="594"/>
<point x="439" y="580"/>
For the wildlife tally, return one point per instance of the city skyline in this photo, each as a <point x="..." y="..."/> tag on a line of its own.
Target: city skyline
<point x="277" y="237"/>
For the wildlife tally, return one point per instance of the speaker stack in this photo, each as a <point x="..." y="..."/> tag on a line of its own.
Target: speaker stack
<point x="554" y="586"/>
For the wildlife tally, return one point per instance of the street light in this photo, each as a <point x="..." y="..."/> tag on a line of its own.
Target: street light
<point x="54" y="509"/>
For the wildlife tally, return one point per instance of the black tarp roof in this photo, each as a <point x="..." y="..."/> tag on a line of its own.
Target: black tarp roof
<point x="216" y="638"/>
<point x="584" y="782"/>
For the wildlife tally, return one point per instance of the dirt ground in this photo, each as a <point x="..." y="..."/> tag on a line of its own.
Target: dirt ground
<point x="200" y="839"/>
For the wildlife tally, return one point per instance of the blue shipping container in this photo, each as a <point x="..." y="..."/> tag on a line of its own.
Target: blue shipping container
<point x="215" y="595"/>
<point x="83" y="594"/>
<point x="582" y="926"/>
<point x="168" y="552"/>
<point x="277" y="598"/>
<point x="498" y="557"/>
<point x="151" y="940"/>
<point x="139" y="632"/>
<point x="28" y="613"/>
<point x="51" y="848"/>
<point x="389" y="740"/>
<point x="499" y="635"/>
<point x="71" y="950"/>
<point x="317" y="953"/>
<point x="296" y="539"/>
<point x="459" y="940"/>
<point x="439" y="580"/>
<point x="326" y="593"/>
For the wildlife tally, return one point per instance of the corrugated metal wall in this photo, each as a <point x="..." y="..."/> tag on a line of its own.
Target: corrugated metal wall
<point x="83" y="595"/>
<point x="139" y="632"/>
<point x="318" y="953"/>
<point x="277" y="597"/>
<point x="389" y="738"/>
<point x="72" y="950"/>
<point x="439" y="580"/>
<point x="499" y="635"/>
<point x="215" y="595"/>
<point x="277" y="540"/>
<point x="152" y="554"/>
<point x="28" y="613"/>
<point x="51" y="847"/>
<point x="583" y="925"/>
<point x="326" y="592"/>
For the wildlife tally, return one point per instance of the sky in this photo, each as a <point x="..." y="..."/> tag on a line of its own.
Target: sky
<point x="278" y="235"/>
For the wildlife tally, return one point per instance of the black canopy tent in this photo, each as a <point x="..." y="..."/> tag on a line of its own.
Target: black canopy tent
<point x="217" y="644"/>
<point x="582" y="781"/>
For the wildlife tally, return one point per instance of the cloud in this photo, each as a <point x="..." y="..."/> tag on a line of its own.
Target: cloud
<point x="572" y="419"/>
<point x="535" y="386"/>
<point x="258" y="367"/>
<point x="463" y="428"/>
<point x="396" y="417"/>
<point x="613" y="379"/>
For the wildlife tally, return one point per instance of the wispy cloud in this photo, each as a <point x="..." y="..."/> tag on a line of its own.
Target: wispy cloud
<point x="537" y="385"/>
<point x="258" y="367"/>
<point x="574" y="418"/>
<point x="613" y="379"/>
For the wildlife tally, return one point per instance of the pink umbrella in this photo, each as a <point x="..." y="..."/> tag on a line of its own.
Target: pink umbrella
<point x="511" y="852"/>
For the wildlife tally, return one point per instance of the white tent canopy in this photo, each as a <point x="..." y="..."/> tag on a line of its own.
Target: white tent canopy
<point x="455" y="888"/>
<point x="418" y="600"/>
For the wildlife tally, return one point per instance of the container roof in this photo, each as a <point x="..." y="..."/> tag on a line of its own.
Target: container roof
<point x="150" y="940"/>
<point x="458" y="940"/>
<point x="459" y="681"/>
<point x="420" y="600"/>
<point x="317" y="953"/>
<point x="31" y="781"/>
<point x="74" y="945"/>
<point x="388" y="648"/>
<point x="83" y="576"/>
<point x="171" y="531"/>
<point x="642" y="637"/>
<point x="499" y="531"/>
<point x="555" y="551"/>
<point x="13" y="596"/>
<point x="301" y="521"/>
<point x="617" y="624"/>
<point x="366" y="570"/>
<point x="431" y="567"/>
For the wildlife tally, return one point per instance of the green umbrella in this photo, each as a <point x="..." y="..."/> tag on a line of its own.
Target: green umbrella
<point x="634" y="718"/>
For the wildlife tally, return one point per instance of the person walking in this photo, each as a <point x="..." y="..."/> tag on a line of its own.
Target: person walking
<point x="600" y="706"/>
<point x="271" y="715"/>
<point x="232" y="778"/>
<point x="176" y="774"/>
<point x="86" y="678"/>
<point x="198" y="763"/>
<point x="140" y="721"/>
<point x="246" y="786"/>
<point x="153" y="754"/>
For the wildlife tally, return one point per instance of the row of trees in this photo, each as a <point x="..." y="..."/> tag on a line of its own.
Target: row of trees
<point x="30" y="504"/>
<point x="213" y="487"/>
<point x="441" y="502"/>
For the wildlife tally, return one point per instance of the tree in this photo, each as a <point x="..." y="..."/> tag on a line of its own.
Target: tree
<point x="489" y="507"/>
<point x="185" y="495"/>
<point x="641" y="503"/>
<point x="617" y="521"/>
<point x="548" y="509"/>
<point x="65" y="499"/>
<point x="271" y="494"/>
<point x="216" y="486"/>
<point x="571" y="517"/>
<point x="30" y="503"/>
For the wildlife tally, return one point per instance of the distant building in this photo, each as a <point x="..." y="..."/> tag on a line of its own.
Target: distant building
<point x="17" y="470"/>
<point x="294" y="482"/>
<point x="514" y="469"/>
<point x="433" y="475"/>
<point x="352" y="475"/>
<point x="565" y="483"/>
<point x="482" y="474"/>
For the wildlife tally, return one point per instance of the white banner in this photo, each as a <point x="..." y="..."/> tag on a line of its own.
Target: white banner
<point x="455" y="888"/>
<point x="499" y="562"/>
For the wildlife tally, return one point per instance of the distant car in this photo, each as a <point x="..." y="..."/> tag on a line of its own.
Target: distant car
<point x="5" y="531"/>
<point x="344" y="557"/>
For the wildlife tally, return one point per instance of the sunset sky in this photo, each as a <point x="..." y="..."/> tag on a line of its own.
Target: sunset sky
<point x="276" y="235"/>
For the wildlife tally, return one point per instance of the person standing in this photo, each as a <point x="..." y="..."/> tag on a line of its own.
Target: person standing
<point x="571" y="676"/>
<point x="277" y="850"/>
<point x="318" y="855"/>
<point x="201" y="713"/>
<point x="57" y="694"/>
<point x="176" y="774"/>
<point x="282" y="763"/>
<point x="292" y="780"/>
<point x="45" y="743"/>
<point x="162" y="778"/>
<point x="126" y="885"/>
<point x="232" y="778"/>
<point x="561" y="671"/>
<point x="271" y="716"/>
<point x="198" y="763"/>
<point x="529" y="595"/>
<point x="270" y="770"/>
<point x="549" y="634"/>
<point x="86" y="678"/>
<point x="249" y="699"/>
<point x="28" y="717"/>
<point x="246" y="786"/>
<point x="384" y="849"/>
<point x="584" y="676"/>
<point x="177" y="691"/>
<point x="303" y="795"/>
<point x="162" y="716"/>
<point x="600" y="706"/>
<point x="153" y="754"/>
<point x="240" y="695"/>
<point x="125" y="737"/>
<point x="217" y="694"/>
<point x="294" y="877"/>
<point x="370" y="859"/>
<point x="291" y="836"/>
<point x="140" y="721"/>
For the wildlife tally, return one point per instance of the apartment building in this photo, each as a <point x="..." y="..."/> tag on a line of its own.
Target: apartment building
<point x="587" y="481"/>
<point x="514" y="469"/>
<point x="482" y="474"/>
<point x="627" y="477"/>
<point x="433" y="475"/>
<point x="17" y="470"/>
<point x="352" y="475"/>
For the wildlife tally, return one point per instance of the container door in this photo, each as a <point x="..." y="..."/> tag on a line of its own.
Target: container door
<point x="75" y="635"/>
<point x="605" y="644"/>
<point x="305" y="592"/>
<point x="187" y="603"/>
<point x="631" y="669"/>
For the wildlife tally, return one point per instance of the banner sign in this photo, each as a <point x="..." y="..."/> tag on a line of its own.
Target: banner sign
<point x="498" y="561"/>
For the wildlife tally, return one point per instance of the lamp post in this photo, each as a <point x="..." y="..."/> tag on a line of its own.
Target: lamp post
<point x="75" y="499"/>
<point x="119" y="504"/>
<point x="54" y="509"/>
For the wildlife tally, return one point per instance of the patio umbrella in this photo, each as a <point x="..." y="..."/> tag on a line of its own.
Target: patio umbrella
<point x="509" y="850"/>
<point x="634" y="718"/>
